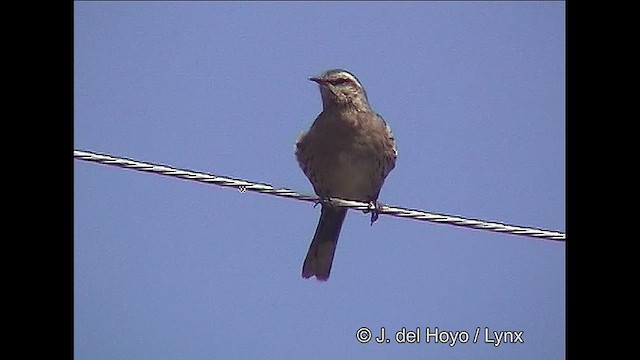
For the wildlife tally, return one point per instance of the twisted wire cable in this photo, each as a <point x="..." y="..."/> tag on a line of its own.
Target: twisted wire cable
<point x="244" y="185"/>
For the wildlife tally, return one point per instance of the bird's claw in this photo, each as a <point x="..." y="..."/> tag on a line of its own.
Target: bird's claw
<point x="374" y="209"/>
<point x="322" y="200"/>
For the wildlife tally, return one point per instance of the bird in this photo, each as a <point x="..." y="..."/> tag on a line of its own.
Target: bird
<point x="347" y="153"/>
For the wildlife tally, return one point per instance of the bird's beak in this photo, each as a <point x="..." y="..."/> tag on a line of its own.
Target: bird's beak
<point x="317" y="79"/>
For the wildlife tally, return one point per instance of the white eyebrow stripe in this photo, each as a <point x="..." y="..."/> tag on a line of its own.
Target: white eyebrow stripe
<point x="348" y="76"/>
<point x="345" y="75"/>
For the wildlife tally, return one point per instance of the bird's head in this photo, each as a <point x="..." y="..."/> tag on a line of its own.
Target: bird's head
<point x="341" y="89"/>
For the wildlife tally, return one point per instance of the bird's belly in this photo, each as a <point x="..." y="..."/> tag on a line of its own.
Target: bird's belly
<point x="352" y="178"/>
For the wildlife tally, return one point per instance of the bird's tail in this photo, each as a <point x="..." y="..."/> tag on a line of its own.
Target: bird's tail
<point x="323" y="246"/>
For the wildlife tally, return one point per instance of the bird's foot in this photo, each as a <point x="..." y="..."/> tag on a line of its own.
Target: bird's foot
<point x="323" y="200"/>
<point x="374" y="209"/>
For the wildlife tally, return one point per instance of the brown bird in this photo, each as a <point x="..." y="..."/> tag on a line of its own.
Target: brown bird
<point x="347" y="153"/>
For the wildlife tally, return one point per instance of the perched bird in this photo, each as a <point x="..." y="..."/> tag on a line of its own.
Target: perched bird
<point x="347" y="153"/>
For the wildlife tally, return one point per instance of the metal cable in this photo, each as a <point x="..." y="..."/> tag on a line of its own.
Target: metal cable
<point x="244" y="185"/>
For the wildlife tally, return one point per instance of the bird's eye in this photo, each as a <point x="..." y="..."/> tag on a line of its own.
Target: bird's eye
<point x="339" y="81"/>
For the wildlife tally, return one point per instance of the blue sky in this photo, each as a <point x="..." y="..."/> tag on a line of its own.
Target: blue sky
<point x="169" y="269"/>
